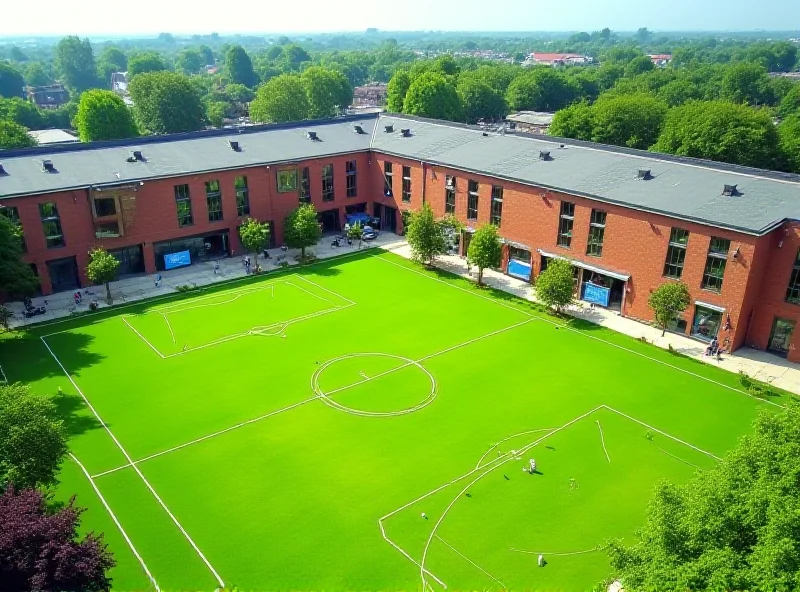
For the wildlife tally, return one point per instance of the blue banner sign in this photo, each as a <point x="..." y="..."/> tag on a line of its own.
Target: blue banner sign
<point x="596" y="294"/>
<point x="173" y="260"/>
<point x="519" y="269"/>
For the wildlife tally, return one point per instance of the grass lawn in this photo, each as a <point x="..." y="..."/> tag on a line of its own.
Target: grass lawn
<point x="290" y="431"/>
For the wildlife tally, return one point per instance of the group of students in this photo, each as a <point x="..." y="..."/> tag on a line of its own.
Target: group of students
<point x="715" y="349"/>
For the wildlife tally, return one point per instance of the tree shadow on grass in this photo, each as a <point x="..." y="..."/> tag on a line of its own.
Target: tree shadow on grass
<point x="73" y="411"/>
<point x="26" y="359"/>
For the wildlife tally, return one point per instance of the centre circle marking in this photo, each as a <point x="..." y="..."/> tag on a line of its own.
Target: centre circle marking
<point x="408" y="362"/>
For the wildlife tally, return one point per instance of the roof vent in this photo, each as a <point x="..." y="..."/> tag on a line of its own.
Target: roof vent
<point x="48" y="166"/>
<point x="389" y="129"/>
<point x="234" y="145"/>
<point x="730" y="190"/>
<point x="644" y="174"/>
<point x="485" y="135"/>
<point x="2" y="170"/>
<point x="358" y="129"/>
<point x="136" y="156"/>
<point x="405" y="132"/>
<point x="544" y="155"/>
<point x="312" y="136"/>
<point x="561" y="146"/>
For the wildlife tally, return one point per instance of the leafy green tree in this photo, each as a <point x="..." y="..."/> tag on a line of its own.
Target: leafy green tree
<point x="239" y="67"/>
<point x="254" y="236"/>
<point x="720" y="131"/>
<point x="790" y="103"/>
<point x="112" y="59"/>
<point x="102" y="115"/>
<point x="628" y="120"/>
<point x="328" y="91"/>
<point x="396" y="91"/>
<point x="11" y="81"/>
<point x="638" y="66"/>
<point x="355" y="232"/>
<point x="431" y="95"/>
<point x="541" y="89"/>
<point x="789" y="132"/>
<point x="294" y="56"/>
<point x="13" y="135"/>
<point x="16" y="54"/>
<point x="74" y="59"/>
<point x="207" y="54"/>
<point x="33" y="441"/>
<point x="621" y="54"/>
<point x="485" y="249"/>
<point x="668" y="302"/>
<point x="678" y="92"/>
<point x="283" y="98"/>
<point x="746" y="83"/>
<point x="165" y="103"/>
<point x="35" y="75"/>
<point x="142" y="63"/>
<point x="425" y="235"/>
<point x="480" y="100"/>
<point x="103" y="268"/>
<point x="555" y="285"/>
<point x="216" y="112"/>
<point x="22" y="112"/>
<point x="190" y="61"/>
<point x="5" y="316"/>
<point x="16" y="277"/>
<point x="301" y="229"/>
<point x="576" y="121"/>
<point x="239" y="93"/>
<point x="497" y="76"/>
<point x="731" y="527"/>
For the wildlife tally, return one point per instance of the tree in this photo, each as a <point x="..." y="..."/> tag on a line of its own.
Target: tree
<point x="668" y="301"/>
<point x="283" y="98"/>
<point x="301" y="229"/>
<point x="294" y="56"/>
<point x="207" y="54"/>
<point x="555" y="285"/>
<point x="11" y="82"/>
<point x="485" y="249"/>
<point x="425" y="236"/>
<point x="190" y="61"/>
<point x="480" y="100"/>
<point x="13" y="135"/>
<point x="678" y="92"/>
<point x="238" y="67"/>
<point x="148" y="61"/>
<point x="16" y="277"/>
<point x="720" y="131"/>
<point x="35" y="75"/>
<point x="239" y="93"/>
<point x="32" y="438"/>
<point x="732" y="526"/>
<point x="638" y="66"/>
<point x="541" y="89"/>
<point x="16" y="54"/>
<point x="355" y="233"/>
<point x="102" y="115"/>
<point x="22" y="112"/>
<point x="165" y="103"/>
<point x="628" y="120"/>
<point x="431" y="95"/>
<point x="112" y="59"/>
<point x="789" y="132"/>
<point x="746" y="83"/>
<point x="576" y="121"/>
<point x="40" y="549"/>
<point x="790" y="103"/>
<point x="396" y="91"/>
<point x="103" y="268"/>
<point x="74" y="59"/>
<point x="254" y="236"/>
<point x="328" y="92"/>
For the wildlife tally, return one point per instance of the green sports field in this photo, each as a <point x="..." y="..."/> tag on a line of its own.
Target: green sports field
<point x="362" y="423"/>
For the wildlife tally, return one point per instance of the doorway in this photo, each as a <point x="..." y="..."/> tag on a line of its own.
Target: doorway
<point x="329" y="220"/>
<point x="64" y="274"/>
<point x="781" y="337"/>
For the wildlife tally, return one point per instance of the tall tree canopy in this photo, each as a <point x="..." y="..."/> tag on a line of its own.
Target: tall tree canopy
<point x="283" y="98"/>
<point x="112" y="59"/>
<point x="396" y="91"/>
<point x="74" y="59"/>
<point x="13" y="135"/>
<point x="238" y="67"/>
<point x="16" y="277"/>
<point x="480" y="100"/>
<point x="23" y="113"/>
<point x="628" y="120"/>
<point x="102" y="115"/>
<point x="576" y="121"/>
<point x="148" y="61"/>
<point x="541" y="89"/>
<point x="35" y="75"/>
<point x="327" y="91"/>
<point x="190" y="61"/>
<point x="11" y="81"/>
<point x="638" y="66"/>
<point x="431" y="95"/>
<point x="294" y="56"/>
<point x="789" y="132"/>
<point x="790" y="103"/>
<point x="746" y="83"/>
<point x="166" y="102"/>
<point x="301" y="229"/>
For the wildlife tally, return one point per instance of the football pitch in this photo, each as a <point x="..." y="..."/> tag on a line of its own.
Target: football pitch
<point x="364" y="423"/>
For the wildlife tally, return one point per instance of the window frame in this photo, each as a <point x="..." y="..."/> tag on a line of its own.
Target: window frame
<point x="450" y="194"/>
<point x="97" y="212"/>
<point x="183" y="205"/>
<point x="597" y="233"/>
<point x="406" y="189"/>
<point x="473" y="199"/>
<point x="242" y="196"/>
<point x="351" y="178"/>
<point x="286" y="180"/>
<point x="388" y="179"/>
<point x="304" y="196"/>
<point x="716" y="262"/>
<point x="496" y="214"/>
<point x="54" y="219"/>
<point x="328" y="193"/>
<point x="566" y="222"/>
<point x="214" y="200"/>
<point x="12" y="215"/>
<point x="676" y="252"/>
<point x="794" y="282"/>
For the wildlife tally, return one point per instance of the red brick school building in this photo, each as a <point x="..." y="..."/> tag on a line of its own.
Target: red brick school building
<point x="627" y="220"/>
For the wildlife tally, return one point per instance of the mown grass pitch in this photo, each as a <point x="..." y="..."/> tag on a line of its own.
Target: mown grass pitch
<point x="290" y="431"/>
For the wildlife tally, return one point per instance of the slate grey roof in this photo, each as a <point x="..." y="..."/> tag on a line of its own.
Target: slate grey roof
<point x="79" y="166"/>
<point x="683" y="188"/>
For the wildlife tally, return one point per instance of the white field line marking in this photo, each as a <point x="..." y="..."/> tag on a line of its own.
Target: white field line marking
<point x="135" y="468"/>
<point x="300" y="277"/>
<point x="578" y="331"/>
<point x="649" y="427"/>
<point x="153" y="347"/>
<point x="603" y="441"/>
<point x="177" y="306"/>
<point x="409" y="557"/>
<point x="5" y="380"/>
<point x="171" y="332"/>
<point x="116" y="521"/>
<point x="678" y="458"/>
<point x="364" y="375"/>
<point x="555" y="554"/>
<point x="485" y="454"/>
<point x="460" y="554"/>
<point x="310" y="293"/>
<point x="208" y="436"/>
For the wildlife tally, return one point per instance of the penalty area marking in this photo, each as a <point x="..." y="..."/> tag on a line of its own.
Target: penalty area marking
<point x="460" y="554"/>
<point x="593" y="550"/>
<point x="603" y="440"/>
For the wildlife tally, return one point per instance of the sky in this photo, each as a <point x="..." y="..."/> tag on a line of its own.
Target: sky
<point x="115" y="18"/>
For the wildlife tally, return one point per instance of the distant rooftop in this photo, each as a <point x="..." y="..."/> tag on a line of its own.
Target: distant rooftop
<point x="52" y="136"/>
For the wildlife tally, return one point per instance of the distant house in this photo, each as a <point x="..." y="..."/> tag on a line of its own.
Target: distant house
<point x="52" y="96"/>
<point x="370" y="95"/>
<point x="52" y="136"/>
<point x="557" y="59"/>
<point x="119" y="83"/>
<point x="536" y="122"/>
<point x="660" y="60"/>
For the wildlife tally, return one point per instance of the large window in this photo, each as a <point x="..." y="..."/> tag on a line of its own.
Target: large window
<point x="450" y="195"/>
<point x="706" y="323"/>
<point x="472" y="200"/>
<point x="497" y="205"/>
<point x="352" y="178"/>
<point x="793" y="291"/>
<point x="105" y="206"/>
<point x="327" y="183"/>
<point x="715" y="264"/>
<point x="242" y="196"/>
<point x="387" y="179"/>
<point x="12" y="213"/>
<point x="406" y="184"/>
<point x="184" y="205"/>
<point x="565" y="222"/>
<point x="597" y="231"/>
<point x="51" y="225"/>
<point x="287" y="181"/>
<point x="305" y="186"/>
<point x="676" y="253"/>
<point x="214" y="200"/>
